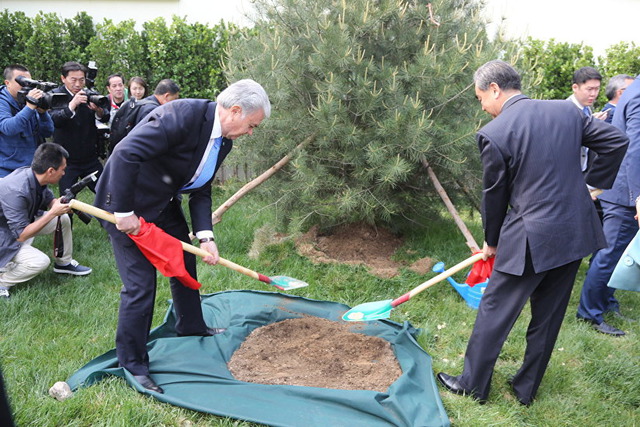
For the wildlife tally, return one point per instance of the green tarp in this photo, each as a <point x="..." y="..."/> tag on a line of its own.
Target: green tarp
<point x="193" y="370"/>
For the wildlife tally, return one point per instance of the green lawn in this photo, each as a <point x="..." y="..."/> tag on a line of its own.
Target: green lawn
<point x="53" y="325"/>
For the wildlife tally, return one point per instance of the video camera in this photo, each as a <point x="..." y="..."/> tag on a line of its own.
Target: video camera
<point x="94" y="96"/>
<point x="48" y="100"/>
<point x="71" y="193"/>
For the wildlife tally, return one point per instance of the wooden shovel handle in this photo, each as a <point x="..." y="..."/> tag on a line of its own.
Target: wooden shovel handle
<point x="108" y="216"/>
<point x="440" y="277"/>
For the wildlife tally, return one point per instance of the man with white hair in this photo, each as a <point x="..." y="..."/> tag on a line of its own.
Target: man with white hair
<point x="174" y="151"/>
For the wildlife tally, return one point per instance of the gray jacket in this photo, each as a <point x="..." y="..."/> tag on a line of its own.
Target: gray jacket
<point x="21" y="198"/>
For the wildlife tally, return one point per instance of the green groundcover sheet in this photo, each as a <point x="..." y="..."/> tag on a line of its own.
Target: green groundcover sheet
<point x="193" y="370"/>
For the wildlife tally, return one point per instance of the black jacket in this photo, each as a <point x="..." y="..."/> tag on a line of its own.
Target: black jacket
<point x="76" y="133"/>
<point x="534" y="193"/>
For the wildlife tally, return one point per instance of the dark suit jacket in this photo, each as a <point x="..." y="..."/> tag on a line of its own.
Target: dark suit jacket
<point x="626" y="188"/>
<point x="77" y="133"/>
<point x="157" y="158"/>
<point x="534" y="190"/>
<point x="147" y="105"/>
<point x="611" y="110"/>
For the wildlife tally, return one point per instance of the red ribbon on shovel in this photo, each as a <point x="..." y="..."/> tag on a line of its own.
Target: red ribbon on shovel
<point x="480" y="272"/>
<point x="164" y="252"/>
<point x="161" y="253"/>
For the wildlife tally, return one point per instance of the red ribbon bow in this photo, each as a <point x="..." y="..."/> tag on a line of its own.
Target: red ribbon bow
<point x="164" y="252"/>
<point x="480" y="272"/>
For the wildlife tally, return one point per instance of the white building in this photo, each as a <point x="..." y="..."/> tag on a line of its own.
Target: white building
<point x="203" y="11"/>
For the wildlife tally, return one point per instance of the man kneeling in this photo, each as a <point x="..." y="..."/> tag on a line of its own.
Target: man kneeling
<point x="23" y="197"/>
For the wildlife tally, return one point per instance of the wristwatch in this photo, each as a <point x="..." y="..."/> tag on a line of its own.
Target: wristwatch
<point x="207" y="239"/>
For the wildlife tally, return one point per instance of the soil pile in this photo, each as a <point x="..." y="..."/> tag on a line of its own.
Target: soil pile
<point x="315" y="352"/>
<point x="358" y="244"/>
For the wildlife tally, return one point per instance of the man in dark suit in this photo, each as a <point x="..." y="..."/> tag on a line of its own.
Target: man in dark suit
<point x="175" y="150"/>
<point x="539" y="222"/>
<point x="619" y="209"/>
<point x="166" y="91"/>
<point x="75" y="126"/>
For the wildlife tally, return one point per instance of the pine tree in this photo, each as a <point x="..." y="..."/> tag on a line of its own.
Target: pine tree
<point x="380" y="86"/>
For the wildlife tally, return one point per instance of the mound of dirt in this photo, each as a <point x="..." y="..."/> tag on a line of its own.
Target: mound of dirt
<point x="315" y="352"/>
<point x="358" y="244"/>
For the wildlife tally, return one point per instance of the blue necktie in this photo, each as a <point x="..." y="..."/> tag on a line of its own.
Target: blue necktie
<point x="209" y="166"/>
<point x="586" y="111"/>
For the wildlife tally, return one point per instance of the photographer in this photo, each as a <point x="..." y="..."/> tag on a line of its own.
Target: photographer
<point x="23" y="196"/>
<point x="22" y="127"/>
<point x="75" y="124"/>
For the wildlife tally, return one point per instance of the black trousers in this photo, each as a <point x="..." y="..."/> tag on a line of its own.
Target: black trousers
<point x="6" y="418"/>
<point x="501" y="304"/>
<point x="137" y="296"/>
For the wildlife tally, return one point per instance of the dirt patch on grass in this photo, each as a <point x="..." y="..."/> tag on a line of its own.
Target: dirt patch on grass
<point x="373" y="247"/>
<point x="315" y="352"/>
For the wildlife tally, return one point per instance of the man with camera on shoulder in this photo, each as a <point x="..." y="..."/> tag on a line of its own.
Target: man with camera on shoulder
<point x="23" y="124"/>
<point x="75" y="123"/>
<point x="27" y="209"/>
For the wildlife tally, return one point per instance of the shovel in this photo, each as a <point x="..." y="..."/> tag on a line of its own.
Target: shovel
<point x="283" y="283"/>
<point x="382" y="309"/>
<point x="626" y="274"/>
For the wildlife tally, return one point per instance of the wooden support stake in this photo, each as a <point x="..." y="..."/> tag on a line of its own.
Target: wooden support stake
<point x="471" y="243"/>
<point x="216" y="217"/>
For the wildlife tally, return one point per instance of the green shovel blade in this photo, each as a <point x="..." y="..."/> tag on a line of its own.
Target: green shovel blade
<point x="369" y="311"/>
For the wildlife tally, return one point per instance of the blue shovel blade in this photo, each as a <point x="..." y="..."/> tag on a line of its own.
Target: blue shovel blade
<point x="286" y="283"/>
<point x="369" y="311"/>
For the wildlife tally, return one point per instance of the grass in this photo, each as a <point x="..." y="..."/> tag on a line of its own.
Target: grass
<point x="53" y="325"/>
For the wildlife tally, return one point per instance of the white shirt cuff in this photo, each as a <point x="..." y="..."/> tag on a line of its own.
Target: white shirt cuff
<point x="204" y="234"/>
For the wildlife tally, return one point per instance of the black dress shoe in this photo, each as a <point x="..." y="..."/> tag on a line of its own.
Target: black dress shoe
<point x="214" y="331"/>
<point x="606" y="328"/>
<point x="453" y="385"/>
<point x="603" y="327"/>
<point x="146" y="382"/>
<point x="208" y="333"/>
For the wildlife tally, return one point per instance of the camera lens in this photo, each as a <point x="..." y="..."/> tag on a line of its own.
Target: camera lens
<point x="99" y="100"/>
